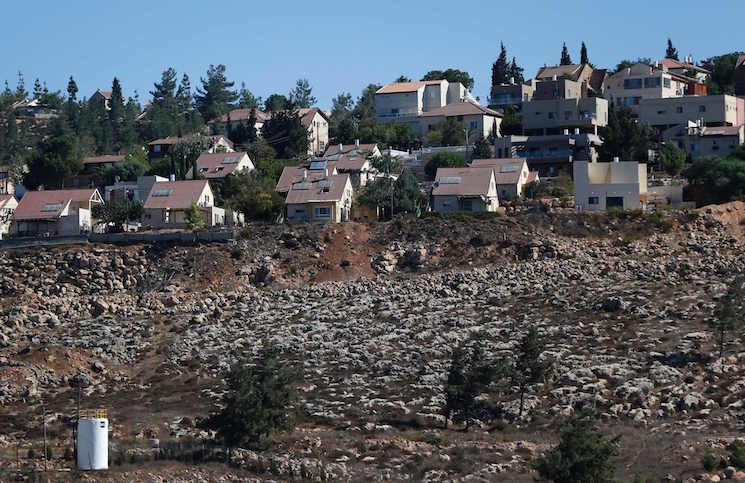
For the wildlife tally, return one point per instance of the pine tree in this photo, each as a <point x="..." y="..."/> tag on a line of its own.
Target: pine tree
<point x="500" y="70"/>
<point x="566" y="59"/>
<point x="583" y="54"/>
<point x="481" y="149"/>
<point x="251" y="134"/>
<point x="215" y="97"/>
<point x="72" y="90"/>
<point x="116" y="114"/>
<point x="516" y="72"/>
<point x="21" y="87"/>
<point x="37" y="89"/>
<point x="183" y="95"/>
<point x="671" y="52"/>
<point x="193" y="217"/>
<point x="528" y="368"/>
<point x="301" y="95"/>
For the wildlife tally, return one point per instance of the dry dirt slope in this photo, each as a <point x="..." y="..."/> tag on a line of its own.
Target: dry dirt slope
<point x="623" y="303"/>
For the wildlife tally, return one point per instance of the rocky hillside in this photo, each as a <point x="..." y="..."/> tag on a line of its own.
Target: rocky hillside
<point x="373" y="312"/>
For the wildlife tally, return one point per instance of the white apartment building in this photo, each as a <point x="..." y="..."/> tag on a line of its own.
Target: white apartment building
<point x="599" y="186"/>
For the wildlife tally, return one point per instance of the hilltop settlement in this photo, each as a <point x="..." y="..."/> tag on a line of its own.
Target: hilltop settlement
<point x="414" y="285"/>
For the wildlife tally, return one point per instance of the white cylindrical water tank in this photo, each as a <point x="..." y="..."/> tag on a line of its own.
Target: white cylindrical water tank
<point x="93" y="443"/>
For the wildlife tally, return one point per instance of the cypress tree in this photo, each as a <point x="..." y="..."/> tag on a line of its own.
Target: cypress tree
<point x="516" y="72"/>
<point x="583" y="54"/>
<point x="671" y="52"/>
<point x="566" y="59"/>
<point x="500" y="69"/>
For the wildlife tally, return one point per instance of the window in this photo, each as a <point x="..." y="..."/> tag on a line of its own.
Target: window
<point x="552" y="115"/>
<point x="666" y="82"/>
<point x="567" y="115"/>
<point x="156" y="148"/>
<point x="679" y="109"/>
<point x="537" y="113"/>
<point x="322" y="212"/>
<point x="460" y="118"/>
<point x="701" y="108"/>
<point x="614" y="202"/>
<point x="203" y="169"/>
<point x="468" y="205"/>
<point x="662" y="112"/>
<point x="394" y="111"/>
<point x="632" y="84"/>
<point x="651" y="82"/>
<point x="474" y="125"/>
<point x="51" y="207"/>
<point x="593" y="200"/>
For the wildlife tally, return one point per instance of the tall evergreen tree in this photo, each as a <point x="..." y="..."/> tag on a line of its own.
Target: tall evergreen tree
<point x="500" y="69"/>
<point x="116" y="114"/>
<point x="21" y="87"/>
<point x="671" y="52"/>
<point x="72" y="90"/>
<point x="583" y="54"/>
<point x="246" y="100"/>
<point x="566" y="59"/>
<point x="215" y="97"/>
<point x="37" y="89"/>
<point x="528" y="368"/>
<point x="183" y="95"/>
<point x="516" y="72"/>
<point x="302" y="94"/>
<point x="56" y="158"/>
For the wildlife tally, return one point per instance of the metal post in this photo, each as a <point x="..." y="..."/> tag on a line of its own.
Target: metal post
<point x="44" y="425"/>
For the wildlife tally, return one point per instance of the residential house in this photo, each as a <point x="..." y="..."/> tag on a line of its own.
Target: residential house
<point x="686" y="68"/>
<point x="464" y="189"/>
<point x="6" y="185"/>
<point x="599" y="186"/>
<point x="131" y="190"/>
<point x="236" y="117"/>
<point x="216" y="166"/>
<point x="313" y="171"/>
<point x="477" y="120"/>
<point x="8" y="205"/>
<point x="552" y="154"/>
<point x="324" y="200"/>
<point x="404" y="102"/>
<point x="720" y="110"/>
<point x="102" y="96"/>
<point x="160" y="147"/>
<point x="317" y="123"/>
<point x="55" y="212"/>
<point x="629" y="86"/>
<point x="739" y="76"/>
<point x="169" y="202"/>
<point x="577" y="72"/>
<point x="701" y="141"/>
<point x="93" y="167"/>
<point x="552" y="116"/>
<point x="334" y="151"/>
<point x="511" y="175"/>
<point x="560" y="88"/>
<point x="512" y="94"/>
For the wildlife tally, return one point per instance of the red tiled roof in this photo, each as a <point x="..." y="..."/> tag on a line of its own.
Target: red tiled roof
<point x="308" y="113"/>
<point x="399" y="87"/>
<point x="180" y="197"/>
<point x="532" y="176"/>
<point x="217" y="165"/>
<point x="313" y="191"/>
<point x="170" y="140"/>
<point x="676" y="64"/>
<point x="470" y="181"/>
<point x="294" y="174"/>
<point x="333" y="149"/>
<point x="499" y="165"/>
<point x="105" y="94"/>
<point x="243" y="115"/>
<point x="466" y="108"/>
<point x="106" y="158"/>
<point x="350" y="162"/>
<point x="32" y="205"/>
<point x="558" y="71"/>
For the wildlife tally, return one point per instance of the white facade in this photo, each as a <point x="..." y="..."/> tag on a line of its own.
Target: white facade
<point x="641" y="81"/>
<point x="599" y="186"/>
<point x="93" y="444"/>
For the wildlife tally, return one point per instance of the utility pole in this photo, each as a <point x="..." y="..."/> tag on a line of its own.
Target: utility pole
<point x="466" y="131"/>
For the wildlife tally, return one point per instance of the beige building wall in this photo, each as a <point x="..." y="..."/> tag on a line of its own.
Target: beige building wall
<point x="318" y="135"/>
<point x="654" y="84"/>
<point x="556" y="114"/>
<point x="718" y="110"/>
<point x="624" y="183"/>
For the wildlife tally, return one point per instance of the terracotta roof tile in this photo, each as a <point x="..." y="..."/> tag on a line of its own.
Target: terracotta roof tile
<point x="294" y="174"/>
<point x="217" y="165"/>
<point x="47" y="205"/>
<point x="462" y="181"/>
<point x="179" y="194"/>
<point x="465" y="108"/>
<point x="315" y="190"/>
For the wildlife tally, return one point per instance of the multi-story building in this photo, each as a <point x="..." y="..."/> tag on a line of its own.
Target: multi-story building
<point x="550" y="155"/>
<point x="512" y="94"/>
<point x="701" y="141"/>
<point x="477" y="121"/>
<point x="552" y="116"/>
<point x="721" y="110"/>
<point x="405" y="102"/>
<point x="631" y="85"/>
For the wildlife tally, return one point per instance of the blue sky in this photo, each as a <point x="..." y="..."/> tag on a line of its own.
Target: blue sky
<point x="340" y="45"/>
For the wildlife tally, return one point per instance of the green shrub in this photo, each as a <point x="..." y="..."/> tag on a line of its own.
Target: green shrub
<point x="68" y="454"/>
<point x="709" y="461"/>
<point x="50" y="453"/>
<point x="737" y="454"/>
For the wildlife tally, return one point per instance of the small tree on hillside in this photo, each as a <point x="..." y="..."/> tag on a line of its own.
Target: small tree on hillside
<point x="528" y="368"/>
<point x="260" y="399"/>
<point x="582" y="455"/>
<point x="443" y="160"/>
<point x="470" y="374"/>
<point x="194" y="220"/>
<point x="673" y="158"/>
<point x="481" y="149"/>
<point x="730" y="314"/>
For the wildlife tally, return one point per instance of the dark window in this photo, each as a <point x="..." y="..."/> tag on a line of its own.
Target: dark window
<point x="679" y="109"/>
<point x="614" y="202"/>
<point x="593" y="200"/>
<point x="701" y="108"/>
<point x="632" y="83"/>
<point x="651" y="82"/>
<point x="666" y="82"/>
